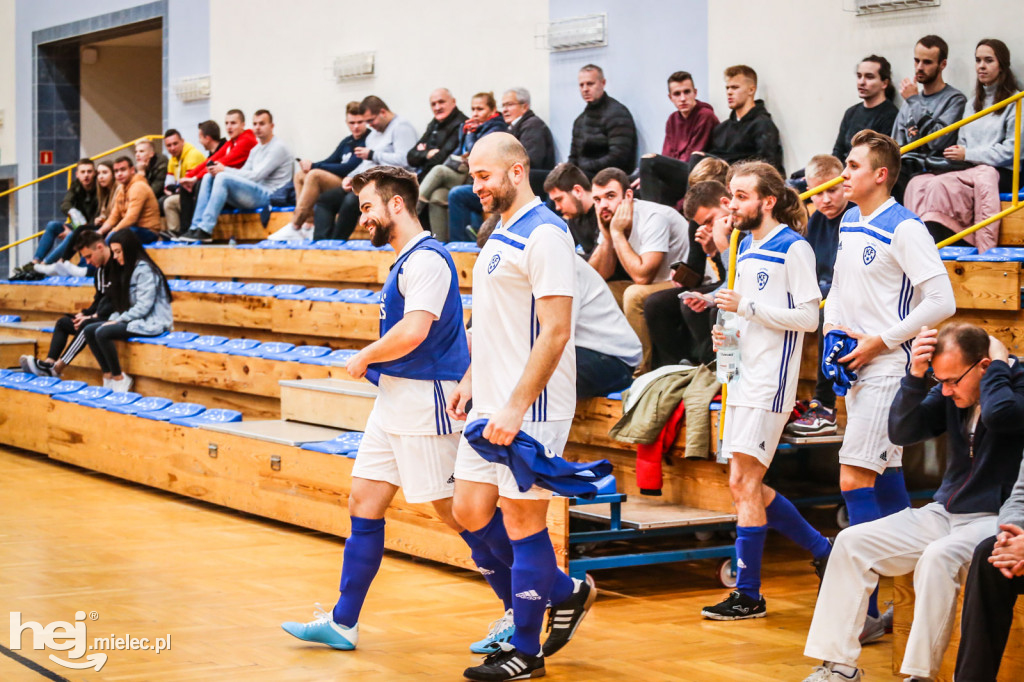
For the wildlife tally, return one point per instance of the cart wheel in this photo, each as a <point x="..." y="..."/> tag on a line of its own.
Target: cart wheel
<point x="726" y="574"/>
<point x="704" y="535"/>
<point x="842" y="517"/>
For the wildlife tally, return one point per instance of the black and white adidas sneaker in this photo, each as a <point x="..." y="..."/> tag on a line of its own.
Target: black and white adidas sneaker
<point x="737" y="606"/>
<point x="507" y="664"/>
<point x="564" y="618"/>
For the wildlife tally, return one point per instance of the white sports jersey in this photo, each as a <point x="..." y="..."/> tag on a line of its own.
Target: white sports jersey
<point x="777" y="271"/>
<point x="416" y="407"/>
<point x="880" y="261"/>
<point x="531" y="257"/>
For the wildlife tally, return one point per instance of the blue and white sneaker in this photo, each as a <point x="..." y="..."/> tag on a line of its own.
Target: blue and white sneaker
<point x="324" y="631"/>
<point x="501" y="631"/>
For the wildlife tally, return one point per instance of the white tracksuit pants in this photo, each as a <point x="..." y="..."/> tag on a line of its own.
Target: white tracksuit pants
<point x="930" y="541"/>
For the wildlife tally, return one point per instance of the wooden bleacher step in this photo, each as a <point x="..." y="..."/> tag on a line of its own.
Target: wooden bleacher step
<point x="12" y="348"/>
<point x="279" y="431"/>
<point x="328" y="402"/>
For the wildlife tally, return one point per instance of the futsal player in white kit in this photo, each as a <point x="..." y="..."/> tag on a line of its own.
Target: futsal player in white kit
<point x="522" y="377"/>
<point x="776" y="296"/>
<point x="888" y="283"/>
<point x="410" y="441"/>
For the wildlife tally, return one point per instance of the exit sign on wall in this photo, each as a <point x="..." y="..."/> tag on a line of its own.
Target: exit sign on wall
<point x="45" y="158"/>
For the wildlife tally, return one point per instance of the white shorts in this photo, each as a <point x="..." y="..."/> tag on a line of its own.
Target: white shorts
<point x="753" y="431"/>
<point x="422" y="466"/>
<point x="470" y="466"/>
<point x="866" y="444"/>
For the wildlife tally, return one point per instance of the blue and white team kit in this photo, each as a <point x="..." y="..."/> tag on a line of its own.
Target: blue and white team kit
<point x="776" y="271"/>
<point x="882" y="258"/>
<point x="531" y="257"/>
<point x="410" y="441"/>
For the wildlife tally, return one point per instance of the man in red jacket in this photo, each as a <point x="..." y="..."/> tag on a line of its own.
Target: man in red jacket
<point x="688" y="129"/>
<point x="232" y="153"/>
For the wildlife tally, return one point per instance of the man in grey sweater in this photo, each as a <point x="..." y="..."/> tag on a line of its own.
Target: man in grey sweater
<point x="995" y="580"/>
<point x="268" y="168"/>
<point x="935" y="107"/>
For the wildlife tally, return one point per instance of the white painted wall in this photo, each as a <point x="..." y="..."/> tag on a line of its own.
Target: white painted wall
<point x="7" y="81"/>
<point x="805" y="53"/>
<point x="263" y="55"/>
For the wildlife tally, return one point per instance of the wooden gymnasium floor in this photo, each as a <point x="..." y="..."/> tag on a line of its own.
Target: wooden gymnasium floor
<point x="150" y="563"/>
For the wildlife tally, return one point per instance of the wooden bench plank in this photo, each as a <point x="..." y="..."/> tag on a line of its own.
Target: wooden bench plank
<point x="1011" y="229"/>
<point x="985" y="286"/>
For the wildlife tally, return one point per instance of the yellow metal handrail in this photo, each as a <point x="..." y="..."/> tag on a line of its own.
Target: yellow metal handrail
<point x="68" y="169"/>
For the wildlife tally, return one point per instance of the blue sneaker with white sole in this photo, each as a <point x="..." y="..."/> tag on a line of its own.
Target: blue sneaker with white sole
<point x="324" y="630"/>
<point x="501" y="631"/>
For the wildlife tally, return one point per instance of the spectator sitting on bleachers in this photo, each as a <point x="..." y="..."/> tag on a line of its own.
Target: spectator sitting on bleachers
<point x="141" y="300"/>
<point x="604" y="135"/>
<point x="749" y="134"/>
<point x="937" y="106"/>
<point x="151" y="165"/>
<point x="184" y="157"/>
<point x="391" y="137"/>
<point x="570" y="190"/>
<point x="96" y="252"/>
<point x="232" y="154"/>
<point x="663" y="176"/>
<point x="81" y="198"/>
<point x="680" y="330"/>
<point x="106" y="189"/>
<point x="954" y="201"/>
<point x="268" y="167"/>
<point x="823" y="235"/>
<point x="875" y="112"/>
<point x="179" y="207"/>
<point x="645" y="238"/>
<point x="135" y="206"/>
<point x="314" y="178"/>
<point x="441" y="136"/>
<point x="453" y="171"/>
<point x="464" y="211"/>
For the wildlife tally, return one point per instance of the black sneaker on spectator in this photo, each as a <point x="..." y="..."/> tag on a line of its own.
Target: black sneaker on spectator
<point x="737" y="606"/>
<point x="195" y="236"/>
<point x="40" y="368"/>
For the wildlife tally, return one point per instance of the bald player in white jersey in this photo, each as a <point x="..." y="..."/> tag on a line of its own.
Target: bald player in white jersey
<point x="888" y="283"/>
<point x="522" y="377"/>
<point x="776" y="296"/>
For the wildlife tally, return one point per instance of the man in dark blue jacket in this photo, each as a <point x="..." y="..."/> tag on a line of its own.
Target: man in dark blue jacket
<point x="979" y="405"/>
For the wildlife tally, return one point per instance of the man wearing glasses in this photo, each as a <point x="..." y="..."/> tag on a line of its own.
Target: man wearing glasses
<point x="978" y="403"/>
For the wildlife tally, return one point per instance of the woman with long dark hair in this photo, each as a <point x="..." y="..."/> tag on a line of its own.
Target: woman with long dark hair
<point x="142" y="301"/>
<point x="954" y="201"/>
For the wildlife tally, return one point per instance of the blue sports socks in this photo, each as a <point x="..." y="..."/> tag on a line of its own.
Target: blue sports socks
<point x="497" y="574"/>
<point x="363" y="553"/>
<point x="784" y="518"/>
<point x="891" y="491"/>
<point x="749" y="551"/>
<point x="535" y="579"/>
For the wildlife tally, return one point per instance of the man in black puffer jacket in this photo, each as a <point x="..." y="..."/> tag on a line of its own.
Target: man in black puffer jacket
<point x="604" y="135"/>
<point x="749" y="134"/>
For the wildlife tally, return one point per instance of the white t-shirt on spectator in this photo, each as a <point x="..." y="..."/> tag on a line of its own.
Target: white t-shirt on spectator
<point x="600" y="324"/>
<point x="660" y="229"/>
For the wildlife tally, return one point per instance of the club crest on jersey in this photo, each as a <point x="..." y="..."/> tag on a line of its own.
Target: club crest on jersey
<point x="762" y="279"/>
<point x="869" y="254"/>
<point x="495" y="259"/>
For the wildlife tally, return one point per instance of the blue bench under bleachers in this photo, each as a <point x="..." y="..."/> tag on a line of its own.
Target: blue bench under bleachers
<point x="346" y="444"/>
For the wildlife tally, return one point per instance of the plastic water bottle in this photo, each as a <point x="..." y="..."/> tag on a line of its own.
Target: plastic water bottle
<point x="76" y="218"/>
<point x="729" y="351"/>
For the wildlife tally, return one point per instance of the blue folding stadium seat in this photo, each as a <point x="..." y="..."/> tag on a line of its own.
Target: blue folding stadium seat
<point x="268" y="244"/>
<point x="954" y="252"/>
<point x="257" y="289"/>
<point x="462" y="247"/>
<point x="329" y="245"/>
<point x="334" y="358"/>
<point x="200" y="343"/>
<point x="173" y="411"/>
<point x="268" y="347"/>
<point x="300" y="244"/>
<point x="209" y="417"/>
<point x="87" y="393"/>
<point x="5" y="372"/>
<point x="178" y="284"/>
<point x="283" y="289"/>
<point x="467" y="300"/>
<point x="10" y="318"/>
<point x="1008" y="196"/>
<point x="298" y="354"/>
<point x="64" y="387"/>
<point x="53" y="281"/>
<point x="201" y="286"/>
<point x="40" y="384"/>
<point x="164" y="339"/>
<point x="82" y="281"/>
<point x="312" y="294"/>
<point x="16" y="380"/>
<point x="346" y="444"/>
<point x="1000" y="254"/>
<point x="112" y="400"/>
<point x="614" y="396"/>
<point x="147" y="404"/>
<point x="233" y="345"/>
<point x="358" y="296"/>
<point x="46" y="329"/>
